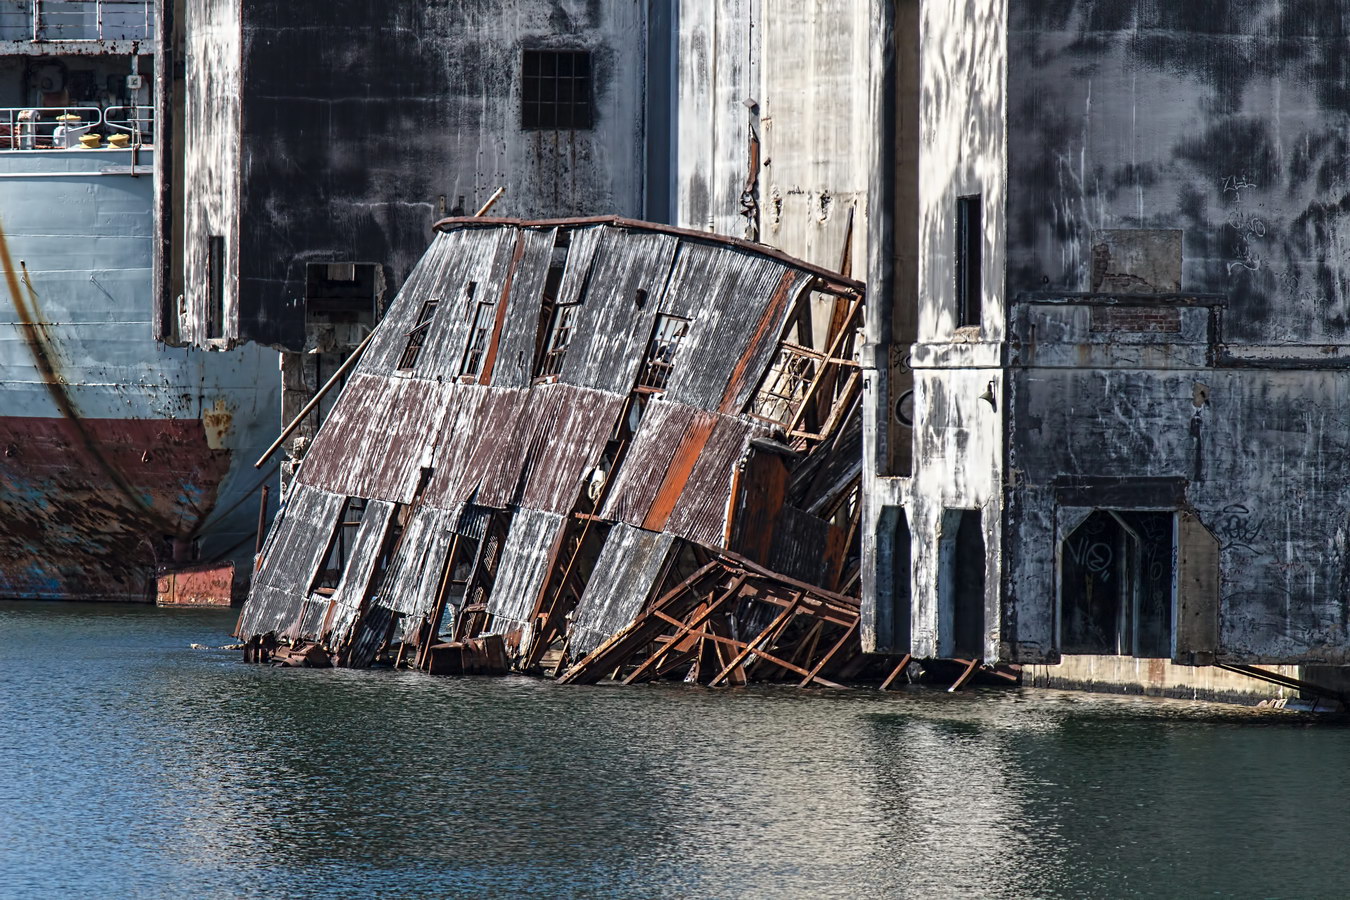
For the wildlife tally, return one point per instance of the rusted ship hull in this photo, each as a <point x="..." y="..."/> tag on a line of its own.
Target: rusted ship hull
<point x="119" y="457"/>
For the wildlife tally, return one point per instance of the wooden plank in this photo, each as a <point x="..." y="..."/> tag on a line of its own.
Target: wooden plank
<point x="814" y="674"/>
<point x="896" y="672"/>
<point x="780" y="621"/>
<point x="968" y="674"/>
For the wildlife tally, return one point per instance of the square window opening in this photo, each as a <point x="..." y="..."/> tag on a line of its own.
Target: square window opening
<point x="669" y="333"/>
<point x="556" y="90"/>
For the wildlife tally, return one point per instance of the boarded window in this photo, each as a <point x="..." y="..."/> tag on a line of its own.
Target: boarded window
<point x="482" y="319"/>
<point x="969" y="260"/>
<point x="215" y="286"/>
<point x="670" y="331"/>
<point x="556" y="90"/>
<point x="418" y="335"/>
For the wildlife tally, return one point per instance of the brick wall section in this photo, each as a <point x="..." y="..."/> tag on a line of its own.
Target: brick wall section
<point x="1150" y="319"/>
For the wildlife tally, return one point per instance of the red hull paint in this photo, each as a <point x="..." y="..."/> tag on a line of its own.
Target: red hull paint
<point x="88" y="511"/>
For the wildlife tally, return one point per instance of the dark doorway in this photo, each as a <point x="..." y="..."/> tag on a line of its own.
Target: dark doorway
<point x="1116" y="578"/>
<point x="961" y="585"/>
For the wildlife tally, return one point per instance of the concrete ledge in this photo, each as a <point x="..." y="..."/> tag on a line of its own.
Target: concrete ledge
<point x="1158" y="678"/>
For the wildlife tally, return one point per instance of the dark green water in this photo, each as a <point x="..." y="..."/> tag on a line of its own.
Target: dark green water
<point x="134" y="766"/>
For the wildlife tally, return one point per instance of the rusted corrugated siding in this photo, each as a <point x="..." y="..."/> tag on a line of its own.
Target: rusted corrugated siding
<point x="293" y="553"/>
<point x="351" y="590"/>
<point x="514" y="366"/>
<point x="569" y="429"/>
<point x="625" y="574"/>
<point x="414" y="576"/>
<point x="612" y="329"/>
<point x="523" y="567"/>
<point x="746" y="374"/>
<point x="580" y="259"/>
<point x="800" y="546"/>
<point x="723" y="293"/>
<point x="700" y="515"/>
<point x="381" y="432"/>
<point x="644" y="469"/>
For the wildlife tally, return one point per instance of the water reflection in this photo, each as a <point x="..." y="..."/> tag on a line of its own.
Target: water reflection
<point x="132" y="765"/>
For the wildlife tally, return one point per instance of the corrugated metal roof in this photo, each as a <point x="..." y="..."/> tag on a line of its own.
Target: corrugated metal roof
<point x="505" y="445"/>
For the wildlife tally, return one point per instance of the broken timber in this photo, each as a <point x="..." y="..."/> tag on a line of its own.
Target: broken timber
<point x="598" y="447"/>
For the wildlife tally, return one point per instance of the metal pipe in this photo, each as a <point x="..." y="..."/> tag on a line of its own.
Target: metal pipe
<point x="496" y="195"/>
<point x="314" y="401"/>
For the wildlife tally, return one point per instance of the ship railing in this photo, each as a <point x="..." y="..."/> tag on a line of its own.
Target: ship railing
<point x="77" y="20"/>
<point x="61" y="127"/>
<point x="136" y="121"/>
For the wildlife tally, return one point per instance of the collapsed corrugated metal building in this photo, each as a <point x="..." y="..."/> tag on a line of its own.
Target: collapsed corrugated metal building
<point x="585" y="444"/>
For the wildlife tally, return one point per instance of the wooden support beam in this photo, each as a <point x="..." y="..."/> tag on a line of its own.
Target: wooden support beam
<point x="779" y="622"/>
<point x="971" y="668"/>
<point x="814" y="674"/>
<point x="684" y="629"/>
<point x="897" y="672"/>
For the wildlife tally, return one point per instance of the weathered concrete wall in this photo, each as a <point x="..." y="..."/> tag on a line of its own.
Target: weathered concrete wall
<point x="363" y="123"/>
<point x="1260" y="461"/>
<point x="210" y="161"/>
<point x="718" y="55"/>
<point x="1223" y="118"/>
<point x="1196" y="148"/>
<point x="958" y="437"/>
<point x="775" y="124"/>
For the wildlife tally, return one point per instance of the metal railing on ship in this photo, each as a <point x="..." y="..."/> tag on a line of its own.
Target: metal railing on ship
<point x="61" y="127"/>
<point x="77" y="20"/>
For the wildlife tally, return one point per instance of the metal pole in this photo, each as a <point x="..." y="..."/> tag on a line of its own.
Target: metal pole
<point x="314" y="401"/>
<point x="482" y="210"/>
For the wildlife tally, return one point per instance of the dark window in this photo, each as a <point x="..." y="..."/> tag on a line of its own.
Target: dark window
<point x="342" y="287"/>
<point x="660" y="361"/>
<point x="215" y="286"/>
<point x="969" y="260"/>
<point x="340" y="545"/>
<point x="482" y="319"/>
<point x="418" y="335"/>
<point x="560" y="336"/>
<point x="556" y="89"/>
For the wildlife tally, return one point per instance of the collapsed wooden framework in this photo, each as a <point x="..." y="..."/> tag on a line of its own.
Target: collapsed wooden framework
<point x="589" y="448"/>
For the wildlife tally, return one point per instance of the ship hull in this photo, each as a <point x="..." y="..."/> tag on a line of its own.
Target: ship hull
<point x="119" y="457"/>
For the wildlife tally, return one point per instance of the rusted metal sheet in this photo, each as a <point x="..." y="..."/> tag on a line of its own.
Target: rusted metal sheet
<point x="209" y="585"/>
<point x="619" y="310"/>
<point x="524" y="567"/>
<point x="625" y="575"/>
<point x="536" y="476"/>
<point x="701" y="513"/>
<point x="382" y="431"/>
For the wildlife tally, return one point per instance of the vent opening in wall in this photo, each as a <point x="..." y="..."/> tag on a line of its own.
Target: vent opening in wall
<point x="336" y="289"/>
<point x="556" y="90"/>
<point x="969" y="261"/>
<point x="215" y="287"/>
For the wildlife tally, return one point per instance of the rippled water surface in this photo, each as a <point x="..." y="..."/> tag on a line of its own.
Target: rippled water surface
<point x="134" y="766"/>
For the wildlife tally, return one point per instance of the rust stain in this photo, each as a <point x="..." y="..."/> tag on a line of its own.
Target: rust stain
<point x="491" y="360"/>
<point x="681" y="464"/>
<point x="773" y="313"/>
<point x="217" y="422"/>
<point x="44" y="357"/>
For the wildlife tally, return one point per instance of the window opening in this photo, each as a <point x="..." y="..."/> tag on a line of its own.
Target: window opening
<point x="556" y="90"/>
<point x="215" y="289"/>
<point x="418" y="335"/>
<point x="343" y="289"/>
<point x="969" y="260"/>
<point x="482" y="318"/>
<point x="670" y="331"/>
<point x="339" y="546"/>
<point x="557" y="321"/>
